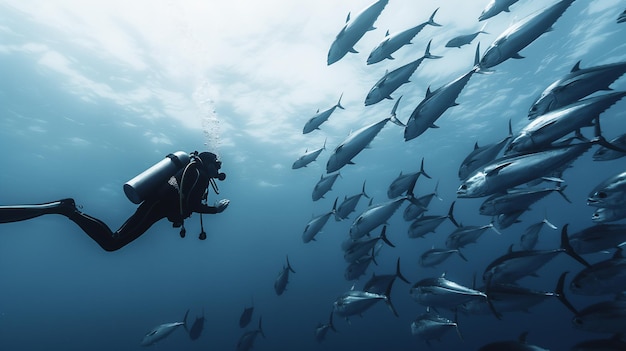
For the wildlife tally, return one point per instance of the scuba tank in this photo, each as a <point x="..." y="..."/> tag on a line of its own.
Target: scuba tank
<point x="146" y="183"/>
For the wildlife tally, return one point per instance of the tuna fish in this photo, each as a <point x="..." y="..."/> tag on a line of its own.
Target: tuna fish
<point x="411" y="212"/>
<point x="403" y="182"/>
<point x="494" y="7"/>
<point x="464" y="39"/>
<point x="392" y="42"/>
<point x="357" y="141"/>
<point x="355" y="302"/>
<point x="606" y="154"/>
<point x="508" y="44"/>
<point x="434" y="257"/>
<point x="246" y="316"/>
<point x="359" y="249"/>
<point x="353" y="31"/>
<point x="308" y="157"/>
<point x="604" y="277"/>
<point x="577" y="84"/>
<point x="316" y="224"/>
<point x="196" y="328"/>
<point x="516" y="200"/>
<point x="465" y="235"/>
<point x="349" y="205"/>
<point x="160" y="332"/>
<point x="281" y="281"/>
<point x="435" y="103"/>
<point x="356" y="269"/>
<point x="246" y="341"/>
<point x="529" y="238"/>
<point x="480" y="156"/>
<point x="598" y="238"/>
<point x="394" y="79"/>
<point x="323" y="186"/>
<point x="609" y="193"/>
<point x="381" y="283"/>
<point x="443" y="293"/>
<point x="512" y="345"/>
<point x="320" y="117"/>
<point x="608" y="214"/>
<point x="431" y="326"/>
<point x="428" y="224"/>
<point x="322" y="329"/>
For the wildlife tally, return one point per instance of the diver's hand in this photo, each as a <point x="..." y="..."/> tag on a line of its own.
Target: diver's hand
<point x="221" y="205"/>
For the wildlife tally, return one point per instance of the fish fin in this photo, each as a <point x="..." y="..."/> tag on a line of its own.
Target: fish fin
<point x="338" y="105"/>
<point x="185" y="321"/>
<point x="353" y="51"/>
<point x="497" y="170"/>
<point x="428" y="92"/>
<point x="576" y="67"/>
<point x="348" y="18"/>
<point x="517" y="56"/>
<point x="475" y="147"/>
<point x="431" y="20"/>
<point x="390" y="57"/>
<point x="399" y="274"/>
<point x="289" y="265"/>
<point x="350" y="162"/>
<point x="560" y="293"/>
<point x="565" y="245"/>
<point x="433" y="126"/>
<point x="462" y="256"/>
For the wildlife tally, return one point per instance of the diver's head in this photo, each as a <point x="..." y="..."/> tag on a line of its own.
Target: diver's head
<point x="212" y="164"/>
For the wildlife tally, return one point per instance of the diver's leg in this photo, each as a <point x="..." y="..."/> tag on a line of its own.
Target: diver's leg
<point x="23" y="212"/>
<point x="148" y="213"/>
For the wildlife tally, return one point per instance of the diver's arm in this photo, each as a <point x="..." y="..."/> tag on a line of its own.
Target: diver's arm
<point x="219" y="207"/>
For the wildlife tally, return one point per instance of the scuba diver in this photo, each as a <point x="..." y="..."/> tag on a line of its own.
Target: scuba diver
<point x="174" y="188"/>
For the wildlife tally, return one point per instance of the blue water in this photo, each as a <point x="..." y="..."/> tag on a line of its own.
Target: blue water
<point x="78" y="121"/>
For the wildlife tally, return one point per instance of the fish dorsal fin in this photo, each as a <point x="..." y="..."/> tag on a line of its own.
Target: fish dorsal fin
<point x="348" y="18"/>
<point x="387" y="34"/>
<point x="428" y="92"/>
<point x="475" y="145"/>
<point x="618" y="253"/>
<point x="511" y="248"/>
<point x="576" y="67"/>
<point x="522" y="337"/>
<point x="443" y="275"/>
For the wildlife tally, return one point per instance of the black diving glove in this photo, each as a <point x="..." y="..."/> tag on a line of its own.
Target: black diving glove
<point x="221" y="205"/>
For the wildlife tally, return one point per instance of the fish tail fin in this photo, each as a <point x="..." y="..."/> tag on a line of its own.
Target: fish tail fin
<point x="393" y="117"/>
<point x="497" y="314"/>
<point x="324" y="146"/>
<point x="560" y="293"/>
<point x="451" y="215"/>
<point x="330" y="322"/>
<point x="388" y="300"/>
<point x="383" y="236"/>
<point x="461" y="254"/>
<point x="427" y="53"/>
<point x="399" y="274"/>
<point x="185" y="320"/>
<point x="560" y="189"/>
<point x="289" y="266"/>
<point x="565" y="245"/>
<point x="431" y="20"/>
<point x="261" y="327"/>
<point x="477" y="58"/>
<point x="456" y="324"/>
<point x="334" y="210"/>
<point x="363" y="191"/>
<point x="339" y="102"/>
<point x="422" y="171"/>
<point x="599" y="139"/>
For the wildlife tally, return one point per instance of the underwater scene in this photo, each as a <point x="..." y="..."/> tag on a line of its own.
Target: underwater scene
<point x="313" y="175"/>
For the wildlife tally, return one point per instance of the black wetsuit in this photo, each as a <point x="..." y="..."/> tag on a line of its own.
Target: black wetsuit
<point x="168" y="202"/>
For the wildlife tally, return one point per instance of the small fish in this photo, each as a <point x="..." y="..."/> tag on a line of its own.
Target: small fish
<point x="622" y="17"/>
<point x="320" y="117"/>
<point x="598" y="238"/>
<point x="160" y="332"/>
<point x="353" y="31"/>
<point x="428" y="224"/>
<point x="529" y="239"/>
<point x="322" y="329"/>
<point x="316" y="224"/>
<point x="411" y="212"/>
<point x="465" y="235"/>
<point x="482" y="155"/>
<point x="381" y="283"/>
<point x="323" y="186"/>
<point x="512" y="345"/>
<point x="602" y="317"/>
<point x="359" y="249"/>
<point x="494" y="7"/>
<point x="464" y="39"/>
<point x="517" y="200"/>
<point x="604" y="214"/>
<point x="281" y="281"/>
<point x="349" y="204"/>
<point x="246" y="341"/>
<point x="403" y="182"/>
<point x="246" y="316"/>
<point x="355" y="302"/>
<point x="521" y="34"/>
<point x="609" y="193"/>
<point x="356" y="269"/>
<point x="434" y="257"/>
<point x="443" y="293"/>
<point x="308" y="157"/>
<point x="392" y="42"/>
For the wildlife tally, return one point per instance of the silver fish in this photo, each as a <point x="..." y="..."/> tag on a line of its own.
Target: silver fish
<point x="349" y="205"/>
<point x="322" y="329"/>
<point x="435" y="103"/>
<point x="515" y="265"/>
<point x="308" y="157"/>
<point x="381" y="283"/>
<point x="316" y="224"/>
<point x="622" y="17"/>
<point x="505" y="220"/>
<point x="392" y="80"/>
<point x="403" y="182"/>
<point x="323" y="186"/>
<point x="392" y="42"/>
<point x="529" y="238"/>
<point x="428" y="224"/>
<point x="246" y="341"/>
<point x="356" y="269"/>
<point x="547" y="128"/>
<point x="602" y="317"/>
<point x="465" y="235"/>
<point x="196" y="328"/>
<point x="517" y="200"/>
<point x="434" y="256"/>
<point x="604" y="277"/>
<point x="246" y="316"/>
<point x="482" y="155"/>
<point x="494" y="7"/>
<point x="606" y="154"/>
<point x="320" y="117"/>
<point x="431" y="326"/>
<point x="510" y="171"/>
<point x="443" y="293"/>
<point x="609" y="193"/>
<point x="353" y="31"/>
<point x="508" y="44"/>
<point x="411" y="212"/>
<point x="464" y="39"/>
<point x="283" y="278"/>
<point x="160" y="332"/>
<point x="357" y="141"/>
<point x="355" y="302"/>
<point x="577" y="84"/>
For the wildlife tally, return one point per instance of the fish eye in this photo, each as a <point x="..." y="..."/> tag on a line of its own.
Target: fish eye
<point x="464" y="187"/>
<point x="601" y="195"/>
<point x="578" y="321"/>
